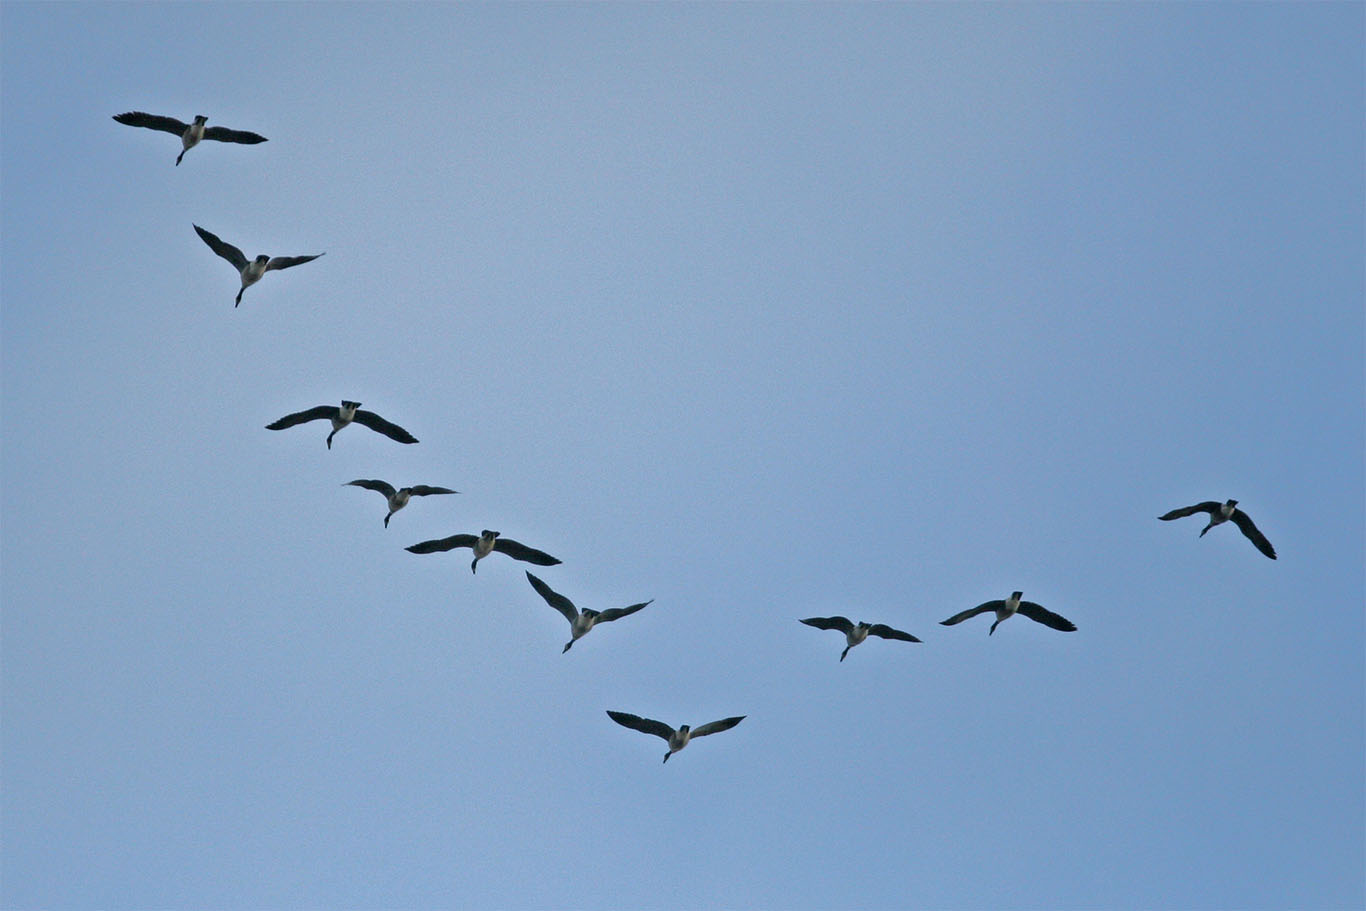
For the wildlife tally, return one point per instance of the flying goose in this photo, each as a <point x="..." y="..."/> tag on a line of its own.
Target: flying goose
<point x="580" y="622"/>
<point x="190" y="133"/>
<point x="1008" y="608"/>
<point x="251" y="270"/>
<point x="340" y="417"/>
<point x="677" y="739"/>
<point x="484" y="544"/>
<point x="397" y="498"/>
<point x="854" y="633"/>
<point x="1219" y="513"/>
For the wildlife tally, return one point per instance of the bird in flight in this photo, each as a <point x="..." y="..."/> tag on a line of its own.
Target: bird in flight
<point x="190" y="133"/>
<point x="250" y="270"/>
<point x="678" y="739"/>
<point x="1219" y="513"/>
<point x="1008" y="608"/>
<point x="855" y="633"/>
<point x="580" y="622"/>
<point x="340" y="417"/>
<point x="397" y="498"/>
<point x="484" y="544"/>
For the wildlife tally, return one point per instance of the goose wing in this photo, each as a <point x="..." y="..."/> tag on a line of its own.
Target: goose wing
<point x="1208" y="506"/>
<point x="225" y="250"/>
<point x="886" y="632"/>
<point x="442" y="544"/>
<point x="1244" y="522"/>
<point x="840" y="623"/>
<point x="713" y="727"/>
<point x="554" y="598"/>
<point x="1045" y="616"/>
<point x="616" y="613"/>
<point x="284" y="262"/>
<point x="383" y="487"/>
<point x="644" y="725"/>
<point x="380" y="425"/>
<point x="521" y="552"/>
<point x="153" y="122"/>
<point x="303" y="417"/>
<point x="422" y="490"/>
<point x="223" y="134"/>
<point x="972" y="612"/>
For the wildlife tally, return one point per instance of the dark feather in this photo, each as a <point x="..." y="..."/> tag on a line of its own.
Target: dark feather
<point x="303" y="417"/>
<point x="284" y="262"/>
<point x="716" y="727"/>
<point x="443" y="544"/>
<point x="554" y="598"/>
<point x="972" y="612"/>
<point x="521" y="552"/>
<point x="223" y="134"/>
<point x="644" y="725"/>
<point x="1208" y="506"/>
<point x="886" y="632"/>
<point x="225" y="250"/>
<point x="153" y="122"/>
<point x="840" y="623"/>
<point x="1244" y="522"/>
<point x="380" y="425"/>
<point x="1045" y="616"/>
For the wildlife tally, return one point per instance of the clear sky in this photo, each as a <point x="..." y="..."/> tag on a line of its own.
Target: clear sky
<point x="763" y="311"/>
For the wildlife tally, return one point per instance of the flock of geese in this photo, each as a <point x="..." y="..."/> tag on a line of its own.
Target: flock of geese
<point x="582" y="621"/>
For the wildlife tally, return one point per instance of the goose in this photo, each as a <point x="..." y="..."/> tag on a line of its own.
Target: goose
<point x="397" y="498"/>
<point x="580" y="622"/>
<point x="250" y="270"/>
<point x="677" y="739"/>
<point x="190" y="133"/>
<point x="1219" y="513"/>
<point x="855" y="633"/>
<point x="1008" y="608"/>
<point x="485" y="543"/>
<point x="340" y="417"/>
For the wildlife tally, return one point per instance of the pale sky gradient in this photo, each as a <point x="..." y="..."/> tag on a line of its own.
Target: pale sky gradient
<point x="763" y="311"/>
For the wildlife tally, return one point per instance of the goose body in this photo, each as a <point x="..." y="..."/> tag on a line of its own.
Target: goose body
<point x="483" y="544"/>
<point x="677" y="738"/>
<point x="340" y="417"/>
<point x="856" y="633"/>
<point x="399" y="498"/>
<point x="1219" y="513"/>
<point x="580" y="621"/>
<point x="249" y="270"/>
<point x="190" y="133"/>
<point x="1008" y="608"/>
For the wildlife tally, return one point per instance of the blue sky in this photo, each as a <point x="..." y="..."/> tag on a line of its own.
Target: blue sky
<point x="761" y="311"/>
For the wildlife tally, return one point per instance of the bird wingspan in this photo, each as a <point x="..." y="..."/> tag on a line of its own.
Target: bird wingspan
<point x="284" y="262"/>
<point x="554" y="598"/>
<point x="521" y="552"/>
<point x="1209" y="506"/>
<point x="840" y="623"/>
<point x="422" y="490"/>
<point x="972" y="612"/>
<point x="443" y="544"/>
<point x="714" y="727"/>
<point x="222" y="248"/>
<point x="616" y="613"/>
<point x="1244" y="522"/>
<point x="152" y="122"/>
<point x="383" y="487"/>
<point x="886" y="632"/>
<point x="644" y="725"/>
<point x="223" y="134"/>
<point x="1041" y="614"/>
<point x="303" y="417"/>
<point x="380" y="425"/>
